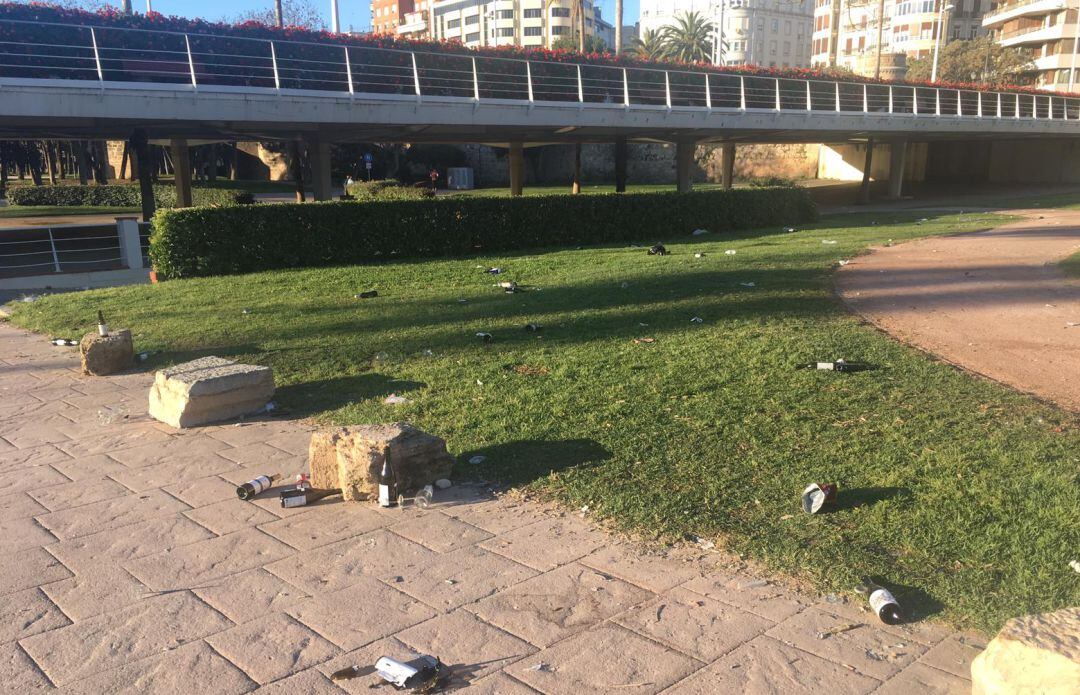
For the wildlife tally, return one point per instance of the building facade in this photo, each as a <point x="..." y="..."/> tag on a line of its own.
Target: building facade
<point x="1045" y="31"/>
<point x="773" y="33"/>
<point x="529" y="23"/>
<point x="846" y="31"/>
<point x="387" y="15"/>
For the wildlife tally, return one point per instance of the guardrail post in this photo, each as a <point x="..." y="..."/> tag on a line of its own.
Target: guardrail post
<point x="777" y="93"/>
<point x="190" y="62"/>
<point x="626" y="88"/>
<point x="809" y="102"/>
<point x="937" y="101"/>
<point x="999" y="104"/>
<point x="127" y="229"/>
<point x="55" y="258"/>
<point x="1050" y="102"/>
<point x="742" y="92"/>
<point x="528" y="76"/>
<point x="837" y="97"/>
<point x="348" y="72"/>
<point x="865" y="100"/>
<point x="273" y="60"/>
<point x="667" y="88"/>
<point x="978" y="105"/>
<point x="708" y="92"/>
<point x="475" y="83"/>
<point x="890" y="99"/>
<point x="1017" y="106"/>
<point x="915" y="101"/>
<point x="959" y="110"/>
<point x="580" y="87"/>
<point x="100" y="72"/>
<point x="416" y="77"/>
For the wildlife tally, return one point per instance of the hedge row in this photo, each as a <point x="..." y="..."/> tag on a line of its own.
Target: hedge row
<point x="367" y="191"/>
<point x="197" y="242"/>
<point x="119" y="195"/>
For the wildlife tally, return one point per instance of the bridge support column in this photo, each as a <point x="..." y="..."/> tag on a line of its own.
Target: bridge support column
<point x="897" y="159"/>
<point x="621" y="155"/>
<point x="864" y="188"/>
<point x="181" y="158"/>
<point x="141" y="148"/>
<point x="319" y="155"/>
<point x="517" y="168"/>
<point x="684" y="166"/>
<point x="728" y="162"/>
<point x="576" y="187"/>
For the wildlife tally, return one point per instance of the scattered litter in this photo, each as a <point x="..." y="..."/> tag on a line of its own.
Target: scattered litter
<point x="539" y="667"/>
<point x="394" y="399"/>
<point x="256" y="485"/>
<point x="817" y="495"/>
<point x="302" y="498"/>
<point x="748" y="284"/>
<point x="425" y="353"/>
<point x="699" y="255"/>
<point x="370" y="294"/>
<point x="109" y="416"/>
<point x="1051" y="306"/>
<point x="830" y="242"/>
<point x="838" y="629"/>
<point x="1075" y="565"/>
<point x="730" y="252"/>
<point x="420" y="675"/>
<point x="702" y="543"/>
<point x="443" y="483"/>
<point x="923" y="220"/>
<point x="303" y="481"/>
<point x="143" y="356"/>
<point x="245" y="311"/>
<point x="1071" y="324"/>
<point x="785" y="517"/>
<point x="882" y="602"/>
<point x="463" y="301"/>
<point x="700" y="232"/>
<point x="696" y="319"/>
<point x="834" y="598"/>
<point x="888" y="243"/>
<point x="479" y="383"/>
<point x="486" y="337"/>
<point x="269" y="407"/>
<point x="624" y="285"/>
<point x="345" y="674"/>
<point x="658" y="250"/>
<point x="643" y="325"/>
<point x="533" y="327"/>
<point x="477" y="460"/>
<point x="451" y="582"/>
<point x="509" y="287"/>
<point x="639" y="341"/>
<point x="64" y="342"/>
<point x="29" y="298"/>
<point x="837" y="366"/>
<point x="790" y="230"/>
<point x="842" y="262"/>
<point x="494" y="271"/>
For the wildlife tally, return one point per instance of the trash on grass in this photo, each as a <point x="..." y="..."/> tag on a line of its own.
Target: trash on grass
<point x="64" y="342"/>
<point x="394" y="399"/>
<point x="509" y="287"/>
<point x="494" y="271"/>
<point x="639" y="341"/>
<point x="699" y="255"/>
<point x="816" y="495"/>
<point x="700" y="232"/>
<point x="143" y="356"/>
<point x="830" y="242"/>
<point x="748" y="284"/>
<point x="842" y="262"/>
<point x="696" y="319"/>
<point x="790" y="230"/>
<point x="1075" y="565"/>
<point x="837" y="366"/>
<point x="838" y="629"/>
<point x="256" y="485"/>
<point x="486" y="337"/>
<point x="730" y="252"/>
<point x="477" y="460"/>
<point x="419" y="675"/>
<point x="534" y="327"/>
<point x="245" y="311"/>
<point x="367" y="295"/>
<point x="658" y="250"/>
<point x="882" y="602"/>
<point x="463" y="301"/>
<point x="703" y="543"/>
<point x="443" y="483"/>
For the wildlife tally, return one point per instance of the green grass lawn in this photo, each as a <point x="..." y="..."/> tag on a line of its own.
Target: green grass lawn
<point x="1071" y="265"/>
<point x="960" y="494"/>
<point x="9" y="211"/>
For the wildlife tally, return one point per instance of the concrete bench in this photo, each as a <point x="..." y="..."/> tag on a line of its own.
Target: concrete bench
<point x="209" y="389"/>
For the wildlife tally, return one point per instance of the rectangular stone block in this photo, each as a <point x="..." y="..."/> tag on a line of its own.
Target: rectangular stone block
<point x="103" y="355"/>
<point x="209" y="389"/>
<point x="351" y="458"/>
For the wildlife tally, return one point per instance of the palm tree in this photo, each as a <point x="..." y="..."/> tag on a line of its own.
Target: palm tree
<point x="650" y="46"/>
<point x="689" y="39"/>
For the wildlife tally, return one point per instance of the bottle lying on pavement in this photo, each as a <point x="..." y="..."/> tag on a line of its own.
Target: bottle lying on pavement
<point x="419" y="675"/>
<point x="64" y="342"/>
<point x="302" y="498"/>
<point x="837" y="366"/>
<point x="882" y="602"/>
<point x="256" y="485"/>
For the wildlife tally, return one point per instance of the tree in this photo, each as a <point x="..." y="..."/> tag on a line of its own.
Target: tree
<point x="294" y="13"/>
<point x="650" y="46"/>
<point x="981" y="61"/>
<point x="593" y="44"/>
<point x="689" y="39"/>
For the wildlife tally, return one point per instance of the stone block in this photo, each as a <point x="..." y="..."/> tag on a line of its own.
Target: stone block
<point x="209" y="389"/>
<point x="108" y="354"/>
<point x="351" y="458"/>
<point x="1031" y="654"/>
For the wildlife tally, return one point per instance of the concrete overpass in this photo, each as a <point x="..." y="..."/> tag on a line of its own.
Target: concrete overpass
<point x="66" y="81"/>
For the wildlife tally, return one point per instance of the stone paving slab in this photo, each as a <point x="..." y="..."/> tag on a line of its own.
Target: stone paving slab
<point x="131" y="566"/>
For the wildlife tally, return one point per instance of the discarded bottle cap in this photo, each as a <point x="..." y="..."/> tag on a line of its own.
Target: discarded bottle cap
<point x="817" y="495"/>
<point x="367" y="295"/>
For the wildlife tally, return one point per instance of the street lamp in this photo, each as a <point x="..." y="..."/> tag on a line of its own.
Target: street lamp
<point x="942" y="9"/>
<point x="335" y="21"/>
<point x="718" y="35"/>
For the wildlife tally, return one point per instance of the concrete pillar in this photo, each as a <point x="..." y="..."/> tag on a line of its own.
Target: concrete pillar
<point x="140" y="146"/>
<point x="127" y="229"/>
<point x="897" y="159"/>
<point x="864" y="189"/>
<point x="319" y="156"/>
<point x="576" y="187"/>
<point x="517" y="168"/>
<point x="684" y="166"/>
<point x="728" y="162"/>
<point x="181" y="159"/>
<point x="621" y="155"/>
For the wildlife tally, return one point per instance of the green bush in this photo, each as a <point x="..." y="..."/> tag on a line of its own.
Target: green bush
<point x="117" y="196"/>
<point x="218" y="241"/>
<point x="366" y="191"/>
<point x="771" y="182"/>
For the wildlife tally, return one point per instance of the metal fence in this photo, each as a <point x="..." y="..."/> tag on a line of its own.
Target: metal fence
<point x="116" y="57"/>
<point x="59" y="249"/>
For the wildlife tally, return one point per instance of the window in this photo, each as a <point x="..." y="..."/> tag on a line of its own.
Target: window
<point x="509" y="14"/>
<point x="787" y="49"/>
<point x="534" y="13"/>
<point x="560" y="11"/>
<point x="471" y="38"/>
<point x="776" y="26"/>
<point x="453" y="24"/>
<point x="472" y="19"/>
<point x="557" y="31"/>
<point x="772" y="49"/>
<point x="529" y="31"/>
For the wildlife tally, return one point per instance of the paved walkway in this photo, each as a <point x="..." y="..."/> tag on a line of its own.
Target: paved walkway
<point x="993" y="302"/>
<point x="130" y="566"/>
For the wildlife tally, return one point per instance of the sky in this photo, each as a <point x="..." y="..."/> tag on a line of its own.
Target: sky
<point x="354" y="13"/>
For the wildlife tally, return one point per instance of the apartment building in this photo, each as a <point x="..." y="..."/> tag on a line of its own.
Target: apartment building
<point x="1046" y="31"/>
<point x="846" y="31"/>
<point x="387" y="15"/>
<point x="529" y="23"/>
<point x="774" y="33"/>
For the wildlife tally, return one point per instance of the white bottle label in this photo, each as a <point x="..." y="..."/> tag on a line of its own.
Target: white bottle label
<point x="826" y="366"/>
<point x="294" y="501"/>
<point x="881" y="598"/>
<point x="261" y="483"/>
<point x="103" y="329"/>
<point x="384" y="495"/>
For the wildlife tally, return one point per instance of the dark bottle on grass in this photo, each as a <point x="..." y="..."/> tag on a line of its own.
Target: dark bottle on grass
<point x="387" y="495"/>
<point x="882" y="602"/>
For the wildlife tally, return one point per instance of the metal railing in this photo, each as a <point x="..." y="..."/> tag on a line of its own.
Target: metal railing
<point x="116" y="58"/>
<point x="59" y="249"/>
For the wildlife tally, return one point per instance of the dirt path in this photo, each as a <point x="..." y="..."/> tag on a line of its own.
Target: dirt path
<point x="993" y="302"/>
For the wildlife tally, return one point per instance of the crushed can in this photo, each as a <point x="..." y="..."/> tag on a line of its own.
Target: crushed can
<point x="817" y="495"/>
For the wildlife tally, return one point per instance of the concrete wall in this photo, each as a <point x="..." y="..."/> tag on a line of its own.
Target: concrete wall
<point x="1006" y="161"/>
<point x="845" y="162"/>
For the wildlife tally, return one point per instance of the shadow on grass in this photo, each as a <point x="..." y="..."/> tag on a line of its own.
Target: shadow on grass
<point x="853" y="498"/>
<point x="521" y="462"/>
<point x="311" y="397"/>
